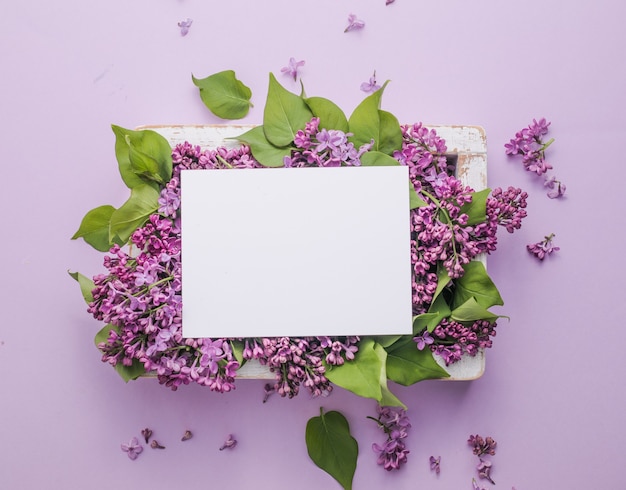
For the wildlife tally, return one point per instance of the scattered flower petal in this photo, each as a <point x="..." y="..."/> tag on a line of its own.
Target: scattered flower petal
<point x="557" y="188"/>
<point x="292" y="68"/>
<point x="543" y="248"/>
<point x="229" y="443"/>
<point x="484" y="470"/>
<point x="371" y="85"/>
<point x="435" y="464"/>
<point x="269" y="390"/>
<point x="184" y="26"/>
<point x="389" y="1"/>
<point x="133" y="448"/>
<point x="147" y="434"/>
<point x="155" y="445"/>
<point x="186" y="436"/>
<point x="354" y="23"/>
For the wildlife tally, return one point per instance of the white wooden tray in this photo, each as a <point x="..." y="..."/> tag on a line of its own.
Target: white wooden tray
<point x="467" y="144"/>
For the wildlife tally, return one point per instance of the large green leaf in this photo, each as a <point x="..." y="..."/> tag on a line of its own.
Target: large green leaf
<point x="477" y="284"/>
<point x="368" y="122"/>
<point x="387" y="398"/>
<point x="330" y="114"/>
<point x="224" y="95"/>
<point x="407" y="365"/>
<point x="470" y="311"/>
<point x="133" y="213"/>
<point x="94" y="228"/>
<point x="476" y="210"/>
<point x="376" y="158"/>
<point x="262" y="150"/>
<point x="285" y="113"/>
<point x="361" y="375"/>
<point x="86" y="285"/>
<point x="143" y="157"/>
<point x="331" y="446"/>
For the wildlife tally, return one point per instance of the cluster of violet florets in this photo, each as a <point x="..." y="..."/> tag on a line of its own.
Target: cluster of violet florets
<point x="140" y="297"/>
<point x="396" y="424"/>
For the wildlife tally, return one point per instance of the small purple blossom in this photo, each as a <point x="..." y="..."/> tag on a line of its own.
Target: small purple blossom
<point x="484" y="470"/>
<point x="292" y="68"/>
<point x="387" y="2"/>
<point x="184" y="26"/>
<point x="229" y="443"/>
<point x="133" y="448"/>
<point x="557" y="188"/>
<point x="482" y="446"/>
<point x="354" y="23"/>
<point x="371" y="85"/>
<point x="543" y="248"/>
<point x="435" y="464"/>
<point x="423" y="340"/>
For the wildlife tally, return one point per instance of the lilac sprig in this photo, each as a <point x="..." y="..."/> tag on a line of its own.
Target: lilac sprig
<point x="543" y="248"/>
<point x="529" y="143"/>
<point x="395" y="423"/>
<point x="483" y="447"/>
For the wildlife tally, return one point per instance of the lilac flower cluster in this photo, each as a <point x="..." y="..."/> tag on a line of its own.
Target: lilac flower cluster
<point x="481" y="447"/>
<point x="529" y="143"/>
<point x="323" y="148"/>
<point x="543" y="248"/>
<point x="395" y="423"/>
<point x="453" y="339"/>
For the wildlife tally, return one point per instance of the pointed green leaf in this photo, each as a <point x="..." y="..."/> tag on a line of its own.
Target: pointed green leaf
<point x="407" y="365"/>
<point x="94" y="228"/>
<point x="86" y="285"/>
<point x="443" y="279"/>
<point x="368" y="122"/>
<point x="440" y="308"/>
<point x="470" y="311"/>
<point x="331" y="446"/>
<point x="388" y="399"/>
<point x="143" y="157"/>
<point x="477" y="284"/>
<point x="133" y="213"/>
<point x="262" y="150"/>
<point x="376" y="158"/>
<point x="425" y="320"/>
<point x="361" y="375"/>
<point x="414" y="200"/>
<point x="477" y="209"/>
<point x="330" y="114"/>
<point x="285" y="113"/>
<point x="224" y="95"/>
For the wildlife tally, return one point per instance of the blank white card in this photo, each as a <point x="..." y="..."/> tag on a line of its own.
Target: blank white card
<point x="296" y="252"/>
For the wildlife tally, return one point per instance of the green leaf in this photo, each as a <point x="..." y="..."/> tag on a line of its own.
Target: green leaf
<point x="361" y="375"/>
<point x="262" y="150"/>
<point x="237" y="346"/>
<point x="375" y="158"/>
<point x="440" y="308"/>
<point x="94" y="228"/>
<point x="224" y="95"/>
<point x="386" y="340"/>
<point x="103" y="333"/>
<point x="470" y="311"/>
<point x="331" y="446"/>
<point x="406" y="365"/>
<point x="388" y="398"/>
<point x="143" y="157"/>
<point x="477" y="209"/>
<point x="285" y="113"/>
<point x="414" y="200"/>
<point x="330" y="114"/>
<point x="477" y="284"/>
<point x="425" y="320"/>
<point x="86" y="285"/>
<point x="126" y="372"/>
<point x="443" y="279"/>
<point x="368" y="122"/>
<point x="133" y="213"/>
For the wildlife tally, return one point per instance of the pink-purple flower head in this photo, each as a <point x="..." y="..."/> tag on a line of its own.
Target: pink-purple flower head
<point x="184" y="26"/>
<point x="423" y="340"/>
<point x="557" y="188"/>
<point x="354" y="23"/>
<point x="371" y="85"/>
<point x="543" y="248"/>
<point x="133" y="448"/>
<point x="292" y="68"/>
<point x="435" y="464"/>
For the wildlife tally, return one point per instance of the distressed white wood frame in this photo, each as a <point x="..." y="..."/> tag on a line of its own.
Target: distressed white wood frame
<point x="466" y="144"/>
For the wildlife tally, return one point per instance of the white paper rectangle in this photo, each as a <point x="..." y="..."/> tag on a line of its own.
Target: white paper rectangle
<point x="296" y="252"/>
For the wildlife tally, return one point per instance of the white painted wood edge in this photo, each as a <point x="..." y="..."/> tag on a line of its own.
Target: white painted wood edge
<point x="467" y="143"/>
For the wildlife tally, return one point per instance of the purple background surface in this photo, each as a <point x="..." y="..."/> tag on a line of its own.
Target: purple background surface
<point x="552" y="395"/>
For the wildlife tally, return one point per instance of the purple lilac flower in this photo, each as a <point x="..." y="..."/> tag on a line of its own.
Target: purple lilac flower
<point x="133" y="448"/>
<point x="557" y="188"/>
<point x="354" y="23"/>
<point x="543" y="248"/>
<point x="387" y="2"/>
<point x="292" y="68"/>
<point x="229" y="443"/>
<point x="484" y="470"/>
<point x="371" y="85"/>
<point x="529" y="143"/>
<point x="482" y="446"/>
<point x="423" y="340"/>
<point x="435" y="464"/>
<point x="184" y="26"/>
<point x="395" y="423"/>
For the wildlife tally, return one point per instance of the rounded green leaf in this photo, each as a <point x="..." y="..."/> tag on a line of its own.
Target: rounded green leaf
<point x="262" y="150"/>
<point x="331" y="446"/>
<point x="94" y="228"/>
<point x="285" y="113"/>
<point x="406" y="364"/>
<point x="224" y="95"/>
<point x="330" y="114"/>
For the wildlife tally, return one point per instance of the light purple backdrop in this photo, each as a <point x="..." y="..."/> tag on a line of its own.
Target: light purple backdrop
<point x="552" y="395"/>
